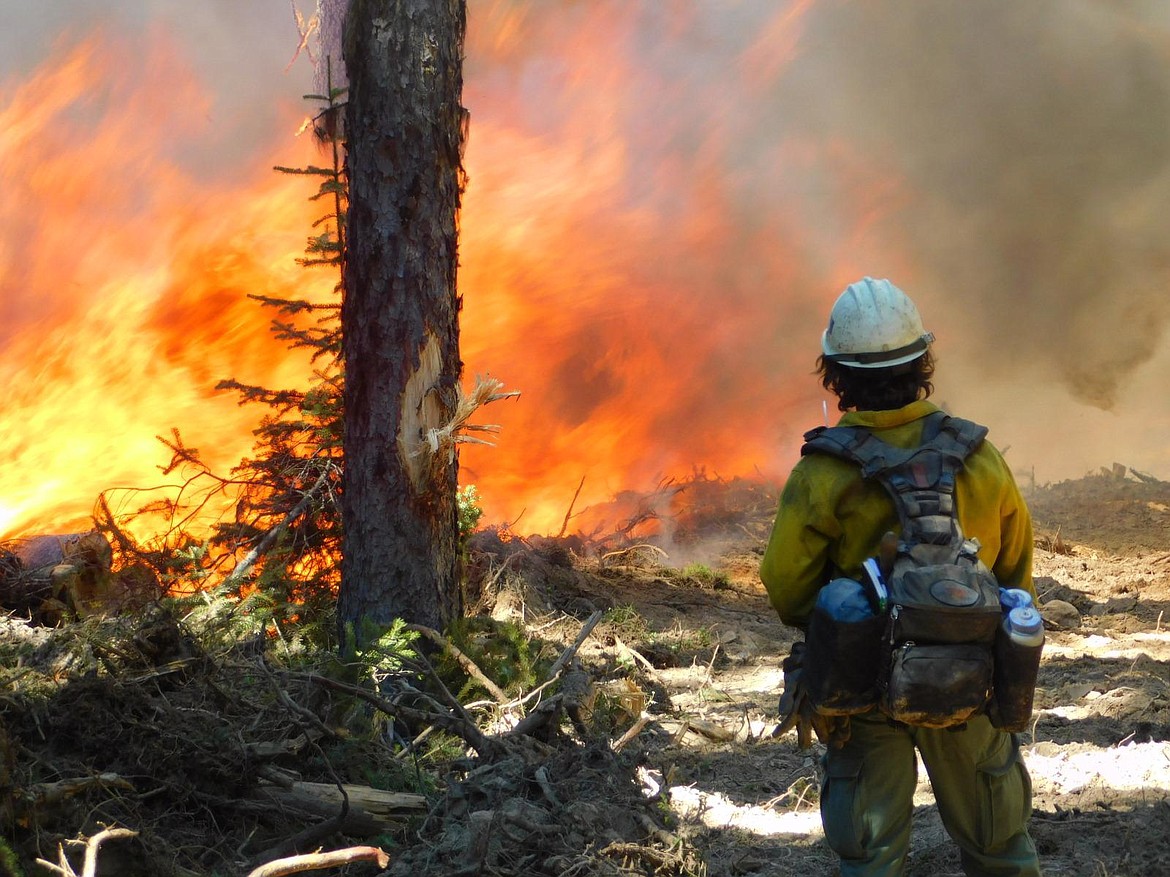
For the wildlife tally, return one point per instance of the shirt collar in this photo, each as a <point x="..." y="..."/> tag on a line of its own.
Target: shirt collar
<point x="886" y="419"/>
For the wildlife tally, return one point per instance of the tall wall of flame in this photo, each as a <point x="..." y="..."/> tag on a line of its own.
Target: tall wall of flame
<point x="664" y="199"/>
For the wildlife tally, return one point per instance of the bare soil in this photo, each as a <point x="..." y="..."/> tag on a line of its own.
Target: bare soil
<point x="166" y="733"/>
<point x="1097" y="750"/>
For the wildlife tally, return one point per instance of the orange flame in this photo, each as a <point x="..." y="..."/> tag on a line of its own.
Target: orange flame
<point x="613" y="254"/>
<point x="617" y="267"/>
<point x="125" y="285"/>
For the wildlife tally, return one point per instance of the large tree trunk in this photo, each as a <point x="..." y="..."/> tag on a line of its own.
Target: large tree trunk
<point x="404" y="132"/>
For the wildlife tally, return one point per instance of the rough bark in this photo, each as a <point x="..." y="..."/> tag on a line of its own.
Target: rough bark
<point x="405" y="132"/>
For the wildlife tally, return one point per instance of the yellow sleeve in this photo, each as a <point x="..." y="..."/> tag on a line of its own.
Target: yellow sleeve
<point x="992" y="509"/>
<point x="1013" y="567"/>
<point x="795" y="562"/>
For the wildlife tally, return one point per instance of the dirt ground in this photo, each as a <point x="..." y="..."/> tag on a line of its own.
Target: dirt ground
<point x="686" y="639"/>
<point x="1097" y="750"/>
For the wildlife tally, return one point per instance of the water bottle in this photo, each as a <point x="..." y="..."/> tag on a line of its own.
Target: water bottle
<point x="845" y="600"/>
<point x="1018" y="645"/>
<point x="1025" y="626"/>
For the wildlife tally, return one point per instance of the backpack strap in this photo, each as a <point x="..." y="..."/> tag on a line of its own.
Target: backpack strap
<point x="919" y="480"/>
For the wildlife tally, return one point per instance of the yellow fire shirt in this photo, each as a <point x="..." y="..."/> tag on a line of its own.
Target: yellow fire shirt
<point x="830" y="519"/>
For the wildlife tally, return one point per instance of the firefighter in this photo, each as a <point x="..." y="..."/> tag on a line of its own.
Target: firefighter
<point x="876" y="359"/>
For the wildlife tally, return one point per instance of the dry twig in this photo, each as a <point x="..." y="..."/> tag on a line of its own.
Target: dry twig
<point x="569" y="513"/>
<point x="464" y="661"/>
<point x="89" y="868"/>
<point x="320" y="861"/>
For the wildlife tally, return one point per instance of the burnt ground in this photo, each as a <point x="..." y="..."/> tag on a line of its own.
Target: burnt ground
<point x="169" y="736"/>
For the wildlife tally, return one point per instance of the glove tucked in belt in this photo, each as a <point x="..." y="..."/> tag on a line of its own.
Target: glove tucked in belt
<point x="797" y="711"/>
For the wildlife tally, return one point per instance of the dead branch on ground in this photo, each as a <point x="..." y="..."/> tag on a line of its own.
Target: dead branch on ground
<point x="457" y="725"/>
<point x="568" y="654"/>
<point x="320" y="861"/>
<point x="633" y="731"/>
<point x="464" y="661"/>
<point x="89" y="868"/>
<point x="631" y="553"/>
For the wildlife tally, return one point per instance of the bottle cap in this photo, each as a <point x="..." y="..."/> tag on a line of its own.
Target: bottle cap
<point x="1025" y="620"/>
<point x="1014" y="598"/>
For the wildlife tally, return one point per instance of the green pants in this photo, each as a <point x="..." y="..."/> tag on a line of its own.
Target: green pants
<point x="982" y="788"/>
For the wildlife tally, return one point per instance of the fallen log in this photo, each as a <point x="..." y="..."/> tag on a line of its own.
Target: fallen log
<point x="48" y="794"/>
<point x="55" y="576"/>
<point x="371" y="811"/>
<point x="49" y="575"/>
<point x="1145" y="476"/>
<point x="270" y="749"/>
<point x="455" y="724"/>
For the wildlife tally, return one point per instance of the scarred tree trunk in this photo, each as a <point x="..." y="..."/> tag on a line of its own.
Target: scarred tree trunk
<point x="400" y="312"/>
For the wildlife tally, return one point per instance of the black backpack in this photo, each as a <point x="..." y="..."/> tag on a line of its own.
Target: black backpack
<point x="925" y="657"/>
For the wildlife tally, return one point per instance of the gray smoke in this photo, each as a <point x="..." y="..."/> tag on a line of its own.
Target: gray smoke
<point x="1034" y="140"/>
<point x="237" y="50"/>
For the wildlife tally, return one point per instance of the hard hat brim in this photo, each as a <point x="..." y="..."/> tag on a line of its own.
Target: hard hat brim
<point x="881" y="358"/>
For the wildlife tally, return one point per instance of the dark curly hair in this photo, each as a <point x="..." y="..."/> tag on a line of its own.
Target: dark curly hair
<point x="877" y="389"/>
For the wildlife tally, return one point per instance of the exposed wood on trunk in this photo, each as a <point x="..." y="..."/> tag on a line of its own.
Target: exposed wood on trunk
<point x="421" y="412"/>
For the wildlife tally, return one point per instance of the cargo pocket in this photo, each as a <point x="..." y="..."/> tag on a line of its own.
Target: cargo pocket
<point x="840" y="808"/>
<point x="1005" y="799"/>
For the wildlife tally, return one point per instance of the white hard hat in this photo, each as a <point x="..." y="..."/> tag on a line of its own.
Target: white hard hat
<point x="874" y="325"/>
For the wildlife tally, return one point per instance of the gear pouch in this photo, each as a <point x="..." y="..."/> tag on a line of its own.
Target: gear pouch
<point x="937" y="686"/>
<point x="944" y="603"/>
<point x="841" y="663"/>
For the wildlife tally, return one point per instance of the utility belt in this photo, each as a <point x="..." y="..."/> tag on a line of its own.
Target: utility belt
<point x="933" y="652"/>
<point x="922" y="637"/>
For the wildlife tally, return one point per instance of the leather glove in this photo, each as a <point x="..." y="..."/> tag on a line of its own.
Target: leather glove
<point x="797" y="711"/>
